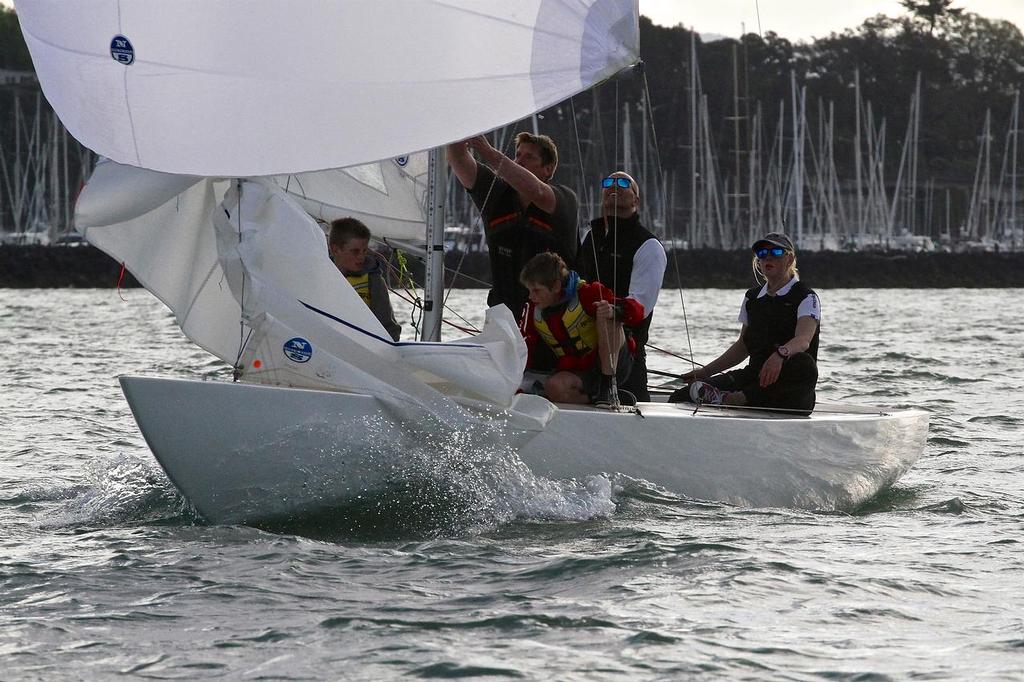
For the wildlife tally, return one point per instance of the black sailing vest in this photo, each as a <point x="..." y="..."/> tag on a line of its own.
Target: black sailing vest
<point x="600" y="261"/>
<point x="515" y="235"/>
<point x="771" y="322"/>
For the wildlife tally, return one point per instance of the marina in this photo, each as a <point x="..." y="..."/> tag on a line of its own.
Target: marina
<point x="220" y="459"/>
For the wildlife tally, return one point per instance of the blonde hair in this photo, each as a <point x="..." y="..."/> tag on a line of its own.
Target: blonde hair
<point x="759" y="277"/>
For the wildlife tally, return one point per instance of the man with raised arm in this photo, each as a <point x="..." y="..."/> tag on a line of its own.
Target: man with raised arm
<point x="623" y="255"/>
<point x="523" y="212"/>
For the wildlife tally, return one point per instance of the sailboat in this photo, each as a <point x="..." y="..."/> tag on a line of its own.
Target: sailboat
<point x="229" y="127"/>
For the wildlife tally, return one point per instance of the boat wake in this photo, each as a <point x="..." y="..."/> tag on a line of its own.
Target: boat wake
<point x="487" y="472"/>
<point x="127" y="490"/>
<point x="464" y="482"/>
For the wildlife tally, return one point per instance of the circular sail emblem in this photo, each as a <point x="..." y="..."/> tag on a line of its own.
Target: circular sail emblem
<point x="122" y="51"/>
<point x="402" y="160"/>
<point x="298" y="349"/>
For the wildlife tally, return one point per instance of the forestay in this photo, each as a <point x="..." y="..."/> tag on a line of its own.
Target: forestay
<point x="262" y="87"/>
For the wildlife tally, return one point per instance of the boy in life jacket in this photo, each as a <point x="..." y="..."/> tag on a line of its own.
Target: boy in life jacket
<point x="349" y="246"/>
<point x="583" y="325"/>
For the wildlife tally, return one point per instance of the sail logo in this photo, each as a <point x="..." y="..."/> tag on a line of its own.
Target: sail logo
<point x="122" y="51"/>
<point x="402" y="160"/>
<point x="298" y="349"/>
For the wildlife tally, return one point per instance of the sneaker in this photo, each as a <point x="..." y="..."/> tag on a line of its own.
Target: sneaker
<point x="705" y="394"/>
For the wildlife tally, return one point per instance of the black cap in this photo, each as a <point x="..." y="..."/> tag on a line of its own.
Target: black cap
<point x="775" y="239"/>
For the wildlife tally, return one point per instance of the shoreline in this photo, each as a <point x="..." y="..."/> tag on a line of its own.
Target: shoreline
<point x="83" y="266"/>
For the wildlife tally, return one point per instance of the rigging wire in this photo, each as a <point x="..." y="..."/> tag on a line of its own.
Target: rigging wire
<point x="579" y="158"/>
<point x="487" y="196"/>
<point x="649" y="109"/>
<point x="410" y="297"/>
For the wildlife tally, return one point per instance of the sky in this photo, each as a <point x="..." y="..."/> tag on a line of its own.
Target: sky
<point x="799" y="19"/>
<point x="793" y="19"/>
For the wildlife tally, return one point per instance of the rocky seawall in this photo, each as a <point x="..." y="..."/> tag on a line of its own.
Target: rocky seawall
<point x="85" y="266"/>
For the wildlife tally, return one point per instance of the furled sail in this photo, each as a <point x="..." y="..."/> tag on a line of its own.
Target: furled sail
<point x="262" y="87"/>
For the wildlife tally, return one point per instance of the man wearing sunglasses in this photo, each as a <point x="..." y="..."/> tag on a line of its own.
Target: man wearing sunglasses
<point x="524" y="213"/>
<point x="779" y="334"/>
<point x="623" y="255"/>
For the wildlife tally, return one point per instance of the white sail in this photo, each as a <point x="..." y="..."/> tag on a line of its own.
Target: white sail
<point x="264" y="87"/>
<point x="389" y="195"/>
<point x="160" y="226"/>
<point x="217" y="256"/>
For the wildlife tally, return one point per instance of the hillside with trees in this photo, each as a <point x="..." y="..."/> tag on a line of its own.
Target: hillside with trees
<point x="902" y="125"/>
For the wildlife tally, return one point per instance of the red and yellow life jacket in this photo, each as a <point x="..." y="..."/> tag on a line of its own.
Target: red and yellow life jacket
<point x="573" y="332"/>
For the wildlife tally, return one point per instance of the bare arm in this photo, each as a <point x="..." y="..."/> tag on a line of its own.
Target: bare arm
<point x="462" y="163"/>
<point x="801" y="341"/>
<point x="733" y="355"/>
<point x="529" y="186"/>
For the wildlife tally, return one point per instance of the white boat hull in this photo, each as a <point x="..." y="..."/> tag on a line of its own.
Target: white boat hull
<point x="244" y="453"/>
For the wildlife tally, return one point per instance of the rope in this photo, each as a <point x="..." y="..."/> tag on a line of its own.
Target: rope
<point x="613" y="358"/>
<point x="406" y="280"/>
<point x="675" y="355"/>
<point x="675" y="255"/>
<point x="120" y="279"/>
<point x="487" y="196"/>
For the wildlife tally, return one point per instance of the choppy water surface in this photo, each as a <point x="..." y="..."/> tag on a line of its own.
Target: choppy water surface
<point x="105" y="573"/>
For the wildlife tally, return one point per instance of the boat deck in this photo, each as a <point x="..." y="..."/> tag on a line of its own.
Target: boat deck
<point x="824" y="410"/>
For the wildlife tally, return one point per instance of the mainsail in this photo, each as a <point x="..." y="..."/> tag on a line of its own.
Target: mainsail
<point x="296" y="102"/>
<point x="263" y="87"/>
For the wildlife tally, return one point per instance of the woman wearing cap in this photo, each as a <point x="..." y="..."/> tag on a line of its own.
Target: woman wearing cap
<point x="780" y="321"/>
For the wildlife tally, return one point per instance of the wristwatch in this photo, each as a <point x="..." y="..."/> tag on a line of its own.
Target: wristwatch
<point x="783" y="351"/>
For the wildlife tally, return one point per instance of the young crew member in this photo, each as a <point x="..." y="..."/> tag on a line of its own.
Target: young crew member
<point x="581" y="323"/>
<point x="349" y="246"/>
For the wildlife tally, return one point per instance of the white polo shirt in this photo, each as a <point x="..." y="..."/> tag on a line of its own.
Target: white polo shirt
<point x="809" y="307"/>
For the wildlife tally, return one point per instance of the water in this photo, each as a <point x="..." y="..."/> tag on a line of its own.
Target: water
<point x="105" y="573"/>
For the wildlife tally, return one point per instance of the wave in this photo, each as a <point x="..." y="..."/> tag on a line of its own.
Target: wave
<point x="126" y="490"/>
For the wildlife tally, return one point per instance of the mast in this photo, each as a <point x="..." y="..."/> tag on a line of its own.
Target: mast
<point x="737" y="118"/>
<point x="1014" y="130"/>
<point x="799" y="101"/>
<point x="859" y="204"/>
<point x="693" y="234"/>
<point x="433" y="285"/>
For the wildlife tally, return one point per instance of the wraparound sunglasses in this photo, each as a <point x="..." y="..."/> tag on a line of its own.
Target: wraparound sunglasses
<point x="776" y="251"/>
<point x="621" y="182"/>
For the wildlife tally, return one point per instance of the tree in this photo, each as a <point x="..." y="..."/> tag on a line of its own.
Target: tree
<point x="14" y="53"/>
<point x="931" y="11"/>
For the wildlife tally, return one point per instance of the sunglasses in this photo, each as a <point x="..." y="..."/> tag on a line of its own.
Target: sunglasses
<point x="621" y="182"/>
<point x="776" y="251"/>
